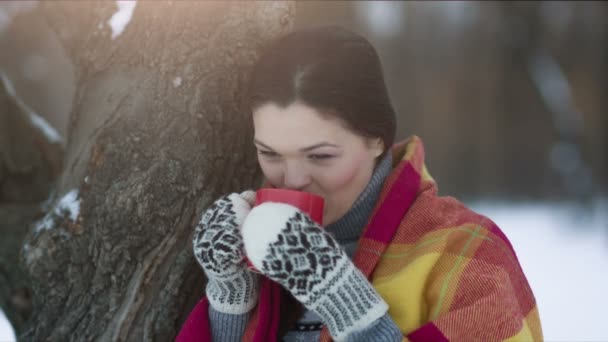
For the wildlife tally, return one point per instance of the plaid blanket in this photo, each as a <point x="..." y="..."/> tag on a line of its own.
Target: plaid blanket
<point x="446" y="272"/>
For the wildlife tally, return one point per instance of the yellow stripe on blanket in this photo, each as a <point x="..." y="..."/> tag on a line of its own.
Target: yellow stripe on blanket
<point x="404" y="292"/>
<point x="527" y="332"/>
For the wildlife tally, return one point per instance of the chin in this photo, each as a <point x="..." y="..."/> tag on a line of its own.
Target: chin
<point x="328" y="219"/>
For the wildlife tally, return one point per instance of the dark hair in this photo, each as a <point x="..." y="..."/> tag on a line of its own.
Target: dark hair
<point x="338" y="73"/>
<point x="331" y="69"/>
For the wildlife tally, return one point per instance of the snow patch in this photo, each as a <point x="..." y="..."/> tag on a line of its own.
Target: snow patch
<point x="39" y="122"/>
<point x="45" y="224"/>
<point x="6" y="329"/>
<point x="8" y="85"/>
<point x="71" y="202"/>
<point x="68" y="203"/>
<point x="49" y="132"/>
<point x="121" y="18"/>
<point x="177" y="81"/>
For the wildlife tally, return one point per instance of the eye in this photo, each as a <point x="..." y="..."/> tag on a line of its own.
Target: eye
<point x="318" y="157"/>
<point x="268" y="154"/>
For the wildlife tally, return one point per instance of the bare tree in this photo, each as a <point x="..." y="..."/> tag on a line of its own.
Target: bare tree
<point x="159" y="128"/>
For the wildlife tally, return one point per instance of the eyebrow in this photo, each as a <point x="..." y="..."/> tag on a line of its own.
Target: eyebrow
<point x="305" y="149"/>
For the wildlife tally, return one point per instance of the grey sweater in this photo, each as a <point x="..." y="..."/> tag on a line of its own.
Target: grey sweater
<point x="347" y="230"/>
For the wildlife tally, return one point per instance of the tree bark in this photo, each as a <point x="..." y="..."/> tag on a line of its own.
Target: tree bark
<point x="159" y="128"/>
<point x="29" y="165"/>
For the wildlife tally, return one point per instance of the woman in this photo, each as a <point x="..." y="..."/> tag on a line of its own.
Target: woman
<point x="393" y="260"/>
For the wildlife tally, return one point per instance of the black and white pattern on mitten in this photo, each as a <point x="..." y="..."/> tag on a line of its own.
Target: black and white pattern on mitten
<point x="218" y="247"/>
<point x="291" y="249"/>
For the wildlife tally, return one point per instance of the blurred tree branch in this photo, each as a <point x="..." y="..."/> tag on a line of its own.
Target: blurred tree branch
<point x="29" y="165"/>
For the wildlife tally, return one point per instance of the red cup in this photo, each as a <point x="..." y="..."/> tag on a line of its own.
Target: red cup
<point x="305" y="201"/>
<point x="309" y="203"/>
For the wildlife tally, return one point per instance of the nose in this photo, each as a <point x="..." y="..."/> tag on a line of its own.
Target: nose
<point x="295" y="176"/>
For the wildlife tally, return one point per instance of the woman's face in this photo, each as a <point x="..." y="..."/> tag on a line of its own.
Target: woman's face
<point x="300" y="149"/>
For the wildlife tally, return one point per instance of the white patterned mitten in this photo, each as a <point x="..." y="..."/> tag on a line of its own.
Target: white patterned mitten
<point x="218" y="247"/>
<point x="288" y="247"/>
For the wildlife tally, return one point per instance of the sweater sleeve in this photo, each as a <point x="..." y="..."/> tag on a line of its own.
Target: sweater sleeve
<point x="383" y="329"/>
<point x="227" y="327"/>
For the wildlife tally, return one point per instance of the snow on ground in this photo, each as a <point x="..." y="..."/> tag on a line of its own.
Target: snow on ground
<point x="6" y="330"/>
<point x="563" y="251"/>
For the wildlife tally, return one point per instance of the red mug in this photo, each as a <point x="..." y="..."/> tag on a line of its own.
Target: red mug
<point x="309" y="203"/>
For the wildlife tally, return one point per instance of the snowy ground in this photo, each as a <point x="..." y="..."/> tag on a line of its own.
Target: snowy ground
<point x="564" y="253"/>
<point x="6" y="331"/>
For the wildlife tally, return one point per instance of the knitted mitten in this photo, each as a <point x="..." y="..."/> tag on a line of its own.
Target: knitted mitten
<point x="288" y="247"/>
<point x="218" y="247"/>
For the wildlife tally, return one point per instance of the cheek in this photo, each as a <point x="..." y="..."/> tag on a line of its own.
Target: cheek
<point x="341" y="176"/>
<point x="273" y="172"/>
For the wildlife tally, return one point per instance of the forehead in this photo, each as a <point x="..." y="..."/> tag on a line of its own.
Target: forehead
<point x="297" y="125"/>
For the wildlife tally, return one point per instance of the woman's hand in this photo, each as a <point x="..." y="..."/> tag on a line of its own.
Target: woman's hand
<point x="218" y="247"/>
<point x="288" y="247"/>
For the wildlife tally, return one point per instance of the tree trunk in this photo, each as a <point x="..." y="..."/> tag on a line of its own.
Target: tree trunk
<point x="30" y="161"/>
<point x="159" y="128"/>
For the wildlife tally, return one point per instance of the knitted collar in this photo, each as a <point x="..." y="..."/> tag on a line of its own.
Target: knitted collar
<point x="350" y="226"/>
